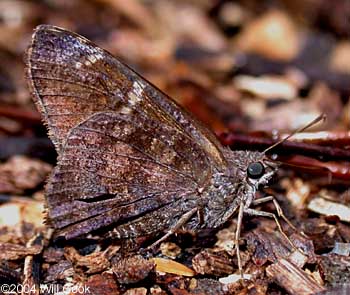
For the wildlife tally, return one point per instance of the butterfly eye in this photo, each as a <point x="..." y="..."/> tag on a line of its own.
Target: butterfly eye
<point x="255" y="170"/>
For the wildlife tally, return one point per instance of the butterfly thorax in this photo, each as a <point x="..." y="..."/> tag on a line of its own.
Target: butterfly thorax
<point x="228" y="189"/>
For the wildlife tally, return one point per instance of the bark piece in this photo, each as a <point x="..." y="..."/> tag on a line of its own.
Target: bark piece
<point x="102" y="285"/>
<point x="8" y="276"/>
<point x="53" y="255"/>
<point x="91" y="263"/>
<point x="335" y="269"/>
<point x="13" y="252"/>
<point x="170" y="250"/>
<point x="21" y="173"/>
<point x="40" y="148"/>
<point x="208" y="262"/>
<point x="267" y="247"/>
<point x="208" y="287"/>
<point x="132" y="269"/>
<point x="32" y="268"/>
<point x="59" y="271"/>
<point x="156" y="290"/>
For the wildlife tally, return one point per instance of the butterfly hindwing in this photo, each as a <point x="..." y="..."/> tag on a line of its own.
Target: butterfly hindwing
<point x="116" y="167"/>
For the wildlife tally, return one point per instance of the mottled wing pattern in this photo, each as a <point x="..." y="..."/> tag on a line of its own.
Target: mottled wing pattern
<point x="118" y="167"/>
<point x="127" y="152"/>
<point x="71" y="78"/>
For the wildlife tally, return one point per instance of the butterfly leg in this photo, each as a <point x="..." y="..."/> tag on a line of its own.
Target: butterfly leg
<point x="254" y="212"/>
<point x="278" y="209"/>
<point x="237" y="237"/>
<point x="183" y="220"/>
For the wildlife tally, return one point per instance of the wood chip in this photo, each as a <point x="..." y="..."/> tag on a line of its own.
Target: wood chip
<point x="340" y="57"/>
<point x="136" y="291"/>
<point x="234" y="278"/>
<point x="273" y="35"/>
<point x="268" y="87"/>
<point x="298" y="258"/>
<point x="341" y="249"/>
<point x="293" y="279"/>
<point x="297" y="192"/>
<point x="325" y="207"/>
<point x="12" y="214"/>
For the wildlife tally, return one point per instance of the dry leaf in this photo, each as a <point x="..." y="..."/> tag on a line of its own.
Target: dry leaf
<point x="171" y="266"/>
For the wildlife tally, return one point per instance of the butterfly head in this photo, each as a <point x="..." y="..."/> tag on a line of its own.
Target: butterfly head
<point x="253" y="168"/>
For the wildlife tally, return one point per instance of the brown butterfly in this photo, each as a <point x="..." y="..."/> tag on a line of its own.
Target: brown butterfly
<point x="131" y="160"/>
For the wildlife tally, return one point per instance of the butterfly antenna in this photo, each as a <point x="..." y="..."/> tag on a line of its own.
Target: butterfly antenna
<point x="302" y="166"/>
<point x="321" y="117"/>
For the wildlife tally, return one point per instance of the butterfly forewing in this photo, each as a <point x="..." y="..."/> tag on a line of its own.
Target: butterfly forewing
<point x="127" y="152"/>
<point x="71" y="78"/>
